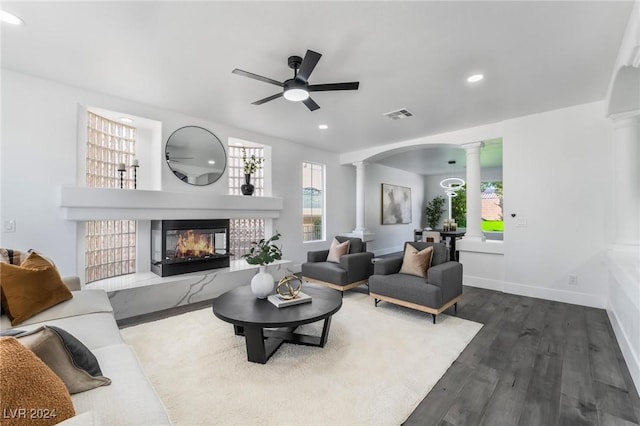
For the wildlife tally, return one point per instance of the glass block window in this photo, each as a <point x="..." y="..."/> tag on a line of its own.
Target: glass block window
<point x="244" y="231"/>
<point x="110" y="245"/>
<point x="236" y="170"/>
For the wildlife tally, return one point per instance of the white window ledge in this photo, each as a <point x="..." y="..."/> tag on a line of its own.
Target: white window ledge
<point x="488" y="246"/>
<point x="83" y="203"/>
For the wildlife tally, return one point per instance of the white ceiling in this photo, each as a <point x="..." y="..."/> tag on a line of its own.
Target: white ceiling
<point x="536" y="56"/>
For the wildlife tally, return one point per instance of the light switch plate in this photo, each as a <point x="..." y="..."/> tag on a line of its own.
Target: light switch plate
<point x="9" y="226"/>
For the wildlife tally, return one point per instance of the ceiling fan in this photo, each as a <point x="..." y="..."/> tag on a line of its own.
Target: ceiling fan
<point x="297" y="88"/>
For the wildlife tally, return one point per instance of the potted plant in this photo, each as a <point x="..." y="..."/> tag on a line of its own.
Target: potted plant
<point x="434" y="211"/>
<point x="250" y="165"/>
<point x="262" y="253"/>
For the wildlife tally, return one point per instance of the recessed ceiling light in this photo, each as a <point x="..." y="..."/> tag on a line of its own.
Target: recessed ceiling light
<point x="10" y="18"/>
<point x="126" y="120"/>
<point x="212" y="161"/>
<point x="475" y="78"/>
<point x="323" y="126"/>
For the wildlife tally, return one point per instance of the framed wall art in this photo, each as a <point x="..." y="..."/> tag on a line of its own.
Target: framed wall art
<point x="396" y="204"/>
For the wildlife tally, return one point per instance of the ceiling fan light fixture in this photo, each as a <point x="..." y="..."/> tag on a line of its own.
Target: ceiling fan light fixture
<point x="296" y="94"/>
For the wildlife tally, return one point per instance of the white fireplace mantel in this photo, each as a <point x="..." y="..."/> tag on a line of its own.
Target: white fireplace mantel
<point x="82" y="203"/>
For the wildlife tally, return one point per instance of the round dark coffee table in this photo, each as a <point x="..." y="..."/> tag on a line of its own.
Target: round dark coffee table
<point x="250" y="317"/>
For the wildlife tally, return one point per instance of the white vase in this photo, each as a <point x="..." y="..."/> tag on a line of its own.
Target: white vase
<point x="262" y="283"/>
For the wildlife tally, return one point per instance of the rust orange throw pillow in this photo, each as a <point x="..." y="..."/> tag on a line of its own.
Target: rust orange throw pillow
<point x="30" y="393"/>
<point x="30" y="288"/>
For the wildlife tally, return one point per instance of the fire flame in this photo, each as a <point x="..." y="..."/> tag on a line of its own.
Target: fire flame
<point x="190" y="246"/>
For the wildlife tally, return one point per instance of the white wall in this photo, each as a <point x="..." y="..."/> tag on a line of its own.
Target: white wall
<point x="557" y="177"/>
<point x="39" y="145"/>
<point x="391" y="238"/>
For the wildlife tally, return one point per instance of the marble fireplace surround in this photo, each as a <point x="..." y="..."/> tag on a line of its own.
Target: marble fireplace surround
<point x="145" y="292"/>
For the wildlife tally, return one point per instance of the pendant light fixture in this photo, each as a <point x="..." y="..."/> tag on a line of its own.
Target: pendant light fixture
<point x="452" y="185"/>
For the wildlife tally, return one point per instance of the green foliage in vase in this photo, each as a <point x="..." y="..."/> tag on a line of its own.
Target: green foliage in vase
<point x="250" y="164"/>
<point x="434" y="211"/>
<point x="264" y="252"/>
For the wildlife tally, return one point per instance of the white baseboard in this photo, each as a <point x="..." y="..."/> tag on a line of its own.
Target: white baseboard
<point x="628" y="351"/>
<point x="583" y="299"/>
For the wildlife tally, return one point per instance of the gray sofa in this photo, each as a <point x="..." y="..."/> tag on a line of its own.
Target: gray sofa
<point x="353" y="270"/>
<point x="130" y="398"/>
<point x="439" y="291"/>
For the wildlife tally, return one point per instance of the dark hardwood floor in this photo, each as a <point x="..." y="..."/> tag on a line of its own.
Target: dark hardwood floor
<point x="535" y="362"/>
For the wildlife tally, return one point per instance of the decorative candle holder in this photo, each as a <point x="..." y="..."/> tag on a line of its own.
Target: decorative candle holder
<point x="121" y="170"/>
<point x="134" y="166"/>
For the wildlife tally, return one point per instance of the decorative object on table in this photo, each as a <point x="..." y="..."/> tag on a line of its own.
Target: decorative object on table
<point x="396" y="204"/>
<point x="280" y="302"/>
<point x="121" y="170"/>
<point x="262" y="253"/>
<point x="134" y="166"/>
<point x="434" y="210"/>
<point x="452" y="185"/>
<point x="289" y="287"/>
<point x="250" y="165"/>
<point x="449" y="225"/>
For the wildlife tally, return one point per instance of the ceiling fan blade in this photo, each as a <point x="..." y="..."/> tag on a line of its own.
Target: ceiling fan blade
<point x="311" y="104"/>
<point x="270" y="98"/>
<point x="333" y="86"/>
<point x="309" y="62"/>
<point x="257" y="77"/>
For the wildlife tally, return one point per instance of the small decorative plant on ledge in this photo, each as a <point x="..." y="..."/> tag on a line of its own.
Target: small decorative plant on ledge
<point x="434" y="211"/>
<point x="262" y="253"/>
<point x="250" y="166"/>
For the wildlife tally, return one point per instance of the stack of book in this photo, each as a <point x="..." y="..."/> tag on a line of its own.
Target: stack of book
<point x="281" y="302"/>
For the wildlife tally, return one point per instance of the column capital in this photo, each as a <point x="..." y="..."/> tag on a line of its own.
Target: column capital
<point x="472" y="145"/>
<point x="359" y="163"/>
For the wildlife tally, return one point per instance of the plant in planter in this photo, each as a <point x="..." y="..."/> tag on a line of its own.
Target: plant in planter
<point x="262" y="253"/>
<point x="434" y="211"/>
<point x="250" y="165"/>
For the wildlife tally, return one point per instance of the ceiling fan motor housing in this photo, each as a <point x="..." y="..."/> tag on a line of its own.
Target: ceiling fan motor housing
<point x="294" y="62"/>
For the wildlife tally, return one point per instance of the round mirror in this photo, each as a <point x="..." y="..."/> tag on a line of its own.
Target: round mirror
<point x="195" y="155"/>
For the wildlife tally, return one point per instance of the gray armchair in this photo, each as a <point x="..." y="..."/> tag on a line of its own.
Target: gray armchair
<point x="353" y="270"/>
<point x="439" y="291"/>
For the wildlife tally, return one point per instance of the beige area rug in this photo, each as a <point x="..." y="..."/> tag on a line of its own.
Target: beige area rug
<point x="377" y="365"/>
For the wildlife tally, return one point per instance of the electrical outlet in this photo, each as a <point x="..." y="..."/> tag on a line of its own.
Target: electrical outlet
<point x="9" y="226"/>
<point x="522" y="223"/>
<point x="573" y="279"/>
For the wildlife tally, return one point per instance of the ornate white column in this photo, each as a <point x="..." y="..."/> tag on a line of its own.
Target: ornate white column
<point x="361" y="230"/>
<point x="626" y="177"/>
<point x="474" y="203"/>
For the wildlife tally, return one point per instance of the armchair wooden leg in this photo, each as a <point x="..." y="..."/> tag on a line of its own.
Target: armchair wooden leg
<point x="375" y="302"/>
<point x="455" y="307"/>
<point x="434" y="318"/>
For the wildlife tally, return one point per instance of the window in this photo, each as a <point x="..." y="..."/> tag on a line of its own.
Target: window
<point x="242" y="232"/>
<point x="491" y="212"/>
<point x="110" y="244"/>
<point x="312" y="201"/>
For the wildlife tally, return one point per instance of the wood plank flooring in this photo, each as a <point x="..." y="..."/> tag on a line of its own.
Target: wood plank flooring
<point x="535" y="362"/>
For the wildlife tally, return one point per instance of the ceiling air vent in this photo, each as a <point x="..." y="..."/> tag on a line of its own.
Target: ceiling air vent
<point x="399" y="114"/>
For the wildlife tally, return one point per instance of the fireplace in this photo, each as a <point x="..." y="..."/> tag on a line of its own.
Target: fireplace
<point x="182" y="246"/>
